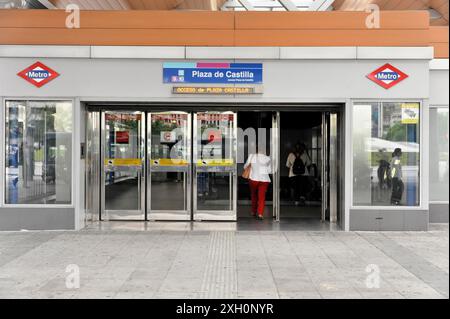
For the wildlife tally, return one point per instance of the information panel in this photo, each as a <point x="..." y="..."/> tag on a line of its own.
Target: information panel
<point x="236" y="73"/>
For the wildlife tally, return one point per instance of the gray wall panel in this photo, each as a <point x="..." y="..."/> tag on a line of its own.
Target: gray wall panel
<point x="388" y="220"/>
<point x="285" y="79"/>
<point x="439" y="213"/>
<point x="439" y="82"/>
<point x="37" y="218"/>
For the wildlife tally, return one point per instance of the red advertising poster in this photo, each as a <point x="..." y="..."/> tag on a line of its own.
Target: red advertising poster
<point x="214" y="135"/>
<point x="122" y="137"/>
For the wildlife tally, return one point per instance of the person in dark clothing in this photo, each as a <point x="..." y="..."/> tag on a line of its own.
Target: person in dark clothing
<point x="396" y="176"/>
<point x="299" y="164"/>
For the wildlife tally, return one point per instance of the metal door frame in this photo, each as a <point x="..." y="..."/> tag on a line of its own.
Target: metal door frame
<point x="330" y="157"/>
<point x="324" y="169"/>
<point x="190" y="109"/>
<point x="275" y="154"/>
<point x="93" y="166"/>
<point x="330" y="123"/>
<point x="184" y="215"/>
<point x="333" y="162"/>
<point x="106" y="215"/>
<point x="214" y="215"/>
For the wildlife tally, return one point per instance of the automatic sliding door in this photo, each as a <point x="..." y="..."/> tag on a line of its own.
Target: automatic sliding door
<point x="215" y="170"/>
<point x="169" y="174"/>
<point x="122" y="157"/>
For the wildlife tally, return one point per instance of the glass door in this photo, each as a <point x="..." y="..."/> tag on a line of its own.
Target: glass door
<point x="169" y="172"/>
<point x="123" y="165"/>
<point x="215" y="169"/>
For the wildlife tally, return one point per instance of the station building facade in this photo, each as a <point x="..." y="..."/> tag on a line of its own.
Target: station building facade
<point x="74" y="99"/>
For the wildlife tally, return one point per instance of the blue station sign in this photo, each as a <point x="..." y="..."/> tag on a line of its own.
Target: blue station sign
<point x="232" y="73"/>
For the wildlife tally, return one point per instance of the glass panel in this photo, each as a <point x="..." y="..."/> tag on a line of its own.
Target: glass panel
<point x="169" y="160"/>
<point x="168" y="191"/>
<point x="215" y="160"/>
<point x="38" y="152"/>
<point x="439" y="150"/>
<point x="386" y="154"/>
<point x="215" y="138"/>
<point x="214" y="191"/>
<point x="123" y="160"/>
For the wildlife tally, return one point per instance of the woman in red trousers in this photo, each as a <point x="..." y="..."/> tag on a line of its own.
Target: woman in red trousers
<point x="259" y="181"/>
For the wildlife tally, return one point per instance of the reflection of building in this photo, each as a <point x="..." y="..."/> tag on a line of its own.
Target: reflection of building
<point x="391" y="117"/>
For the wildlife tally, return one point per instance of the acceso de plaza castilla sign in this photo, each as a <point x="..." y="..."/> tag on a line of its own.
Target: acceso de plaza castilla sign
<point x="219" y="73"/>
<point x="217" y="90"/>
<point x="387" y="76"/>
<point x="38" y="74"/>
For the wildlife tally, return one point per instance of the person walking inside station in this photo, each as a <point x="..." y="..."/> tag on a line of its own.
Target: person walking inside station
<point x="299" y="163"/>
<point x="257" y="170"/>
<point x="396" y="176"/>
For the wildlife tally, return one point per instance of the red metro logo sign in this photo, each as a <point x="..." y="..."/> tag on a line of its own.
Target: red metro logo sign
<point x="387" y="76"/>
<point x="38" y="74"/>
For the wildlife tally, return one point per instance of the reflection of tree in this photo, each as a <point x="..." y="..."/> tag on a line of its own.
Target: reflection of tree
<point x="160" y="126"/>
<point x="396" y="133"/>
<point x="131" y="124"/>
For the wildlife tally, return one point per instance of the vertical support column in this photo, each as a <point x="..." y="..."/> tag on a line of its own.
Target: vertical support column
<point x="333" y="157"/>
<point x="189" y="174"/>
<point x="148" y="171"/>
<point x="324" y="177"/>
<point x="92" y="165"/>
<point x="194" y="165"/>
<point x="425" y="154"/>
<point x="347" y="161"/>
<point x="102" y="164"/>
<point x="275" y="153"/>
<point x="142" y="169"/>
<point x="234" y="156"/>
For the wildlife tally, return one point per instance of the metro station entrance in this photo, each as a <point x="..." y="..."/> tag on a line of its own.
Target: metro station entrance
<point x="186" y="165"/>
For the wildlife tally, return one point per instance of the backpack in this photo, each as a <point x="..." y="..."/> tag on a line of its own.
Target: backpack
<point x="299" y="167"/>
<point x="384" y="174"/>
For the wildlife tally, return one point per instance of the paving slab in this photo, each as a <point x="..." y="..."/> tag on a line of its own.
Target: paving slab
<point x="179" y="260"/>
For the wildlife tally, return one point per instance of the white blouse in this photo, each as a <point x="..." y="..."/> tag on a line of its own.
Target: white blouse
<point x="261" y="167"/>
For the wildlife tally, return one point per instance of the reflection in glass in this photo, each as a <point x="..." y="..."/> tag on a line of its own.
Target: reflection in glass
<point x="439" y="151"/>
<point x="38" y="152"/>
<point x="169" y="160"/>
<point x="386" y="154"/>
<point x="215" y="161"/>
<point x="214" y="191"/>
<point x="123" y="153"/>
<point x="215" y="142"/>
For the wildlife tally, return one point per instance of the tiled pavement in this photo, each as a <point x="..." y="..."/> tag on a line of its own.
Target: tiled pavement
<point x="162" y="262"/>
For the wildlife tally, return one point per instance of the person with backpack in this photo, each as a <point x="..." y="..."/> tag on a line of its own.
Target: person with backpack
<point x="299" y="163"/>
<point x="384" y="174"/>
<point x="397" y="177"/>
